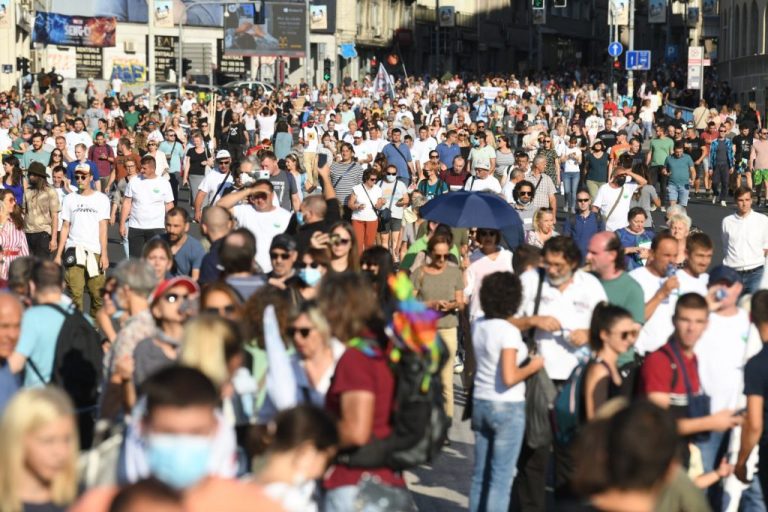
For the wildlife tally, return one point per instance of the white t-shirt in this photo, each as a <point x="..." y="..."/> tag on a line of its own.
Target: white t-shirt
<point x="362" y="151"/>
<point x="387" y="189"/>
<point x="606" y="198"/>
<point x="481" y="157"/>
<point x="84" y="214"/>
<point x="658" y="328"/>
<point x="489" y="338"/>
<point x="264" y="226"/>
<point x="572" y="307"/>
<point x="148" y="200"/>
<point x="266" y="126"/>
<point x="311" y="138"/>
<point x="721" y="352"/>
<point x="744" y="240"/>
<point x="210" y="185"/>
<point x="690" y="284"/>
<point x="368" y="213"/>
<point x="375" y="146"/>
<point x="480" y="266"/>
<point x="422" y="148"/>
<point x="489" y="184"/>
<point x="74" y="138"/>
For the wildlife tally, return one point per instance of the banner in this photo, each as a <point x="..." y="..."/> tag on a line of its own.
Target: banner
<point x="539" y="16"/>
<point x="692" y="16"/>
<point x="274" y="29"/>
<point x="619" y="12"/>
<point x="89" y="63"/>
<point x="64" y="30"/>
<point x="169" y="12"/>
<point x="709" y="7"/>
<point x="657" y="11"/>
<point x="446" y="16"/>
<point x="6" y="13"/>
<point x="164" y="14"/>
<point x="382" y="84"/>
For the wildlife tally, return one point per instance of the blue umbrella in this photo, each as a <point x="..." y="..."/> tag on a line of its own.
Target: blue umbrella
<point x="462" y="209"/>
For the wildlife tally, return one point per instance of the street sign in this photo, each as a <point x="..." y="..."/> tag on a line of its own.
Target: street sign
<point x="615" y="49"/>
<point x="638" y="60"/>
<point x="696" y="63"/>
<point x="7" y="69"/>
<point x="673" y="53"/>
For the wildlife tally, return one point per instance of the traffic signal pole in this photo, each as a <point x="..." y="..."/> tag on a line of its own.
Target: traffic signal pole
<point x="631" y="44"/>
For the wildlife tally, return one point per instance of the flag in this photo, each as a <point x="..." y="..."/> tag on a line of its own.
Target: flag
<point x="382" y="84"/>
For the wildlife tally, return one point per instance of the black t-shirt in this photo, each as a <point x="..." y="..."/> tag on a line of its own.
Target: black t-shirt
<point x="756" y="383"/>
<point x="235" y="134"/>
<point x="742" y="146"/>
<point x="197" y="161"/>
<point x="694" y="147"/>
<point x="608" y="137"/>
<point x="42" y="507"/>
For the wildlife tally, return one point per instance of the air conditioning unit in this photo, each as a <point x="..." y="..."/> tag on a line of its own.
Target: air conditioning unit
<point x="129" y="46"/>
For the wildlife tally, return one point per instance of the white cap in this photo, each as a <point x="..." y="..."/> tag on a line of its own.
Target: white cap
<point x="222" y="153"/>
<point x="357" y="134"/>
<point x="402" y="101"/>
<point x="155" y="137"/>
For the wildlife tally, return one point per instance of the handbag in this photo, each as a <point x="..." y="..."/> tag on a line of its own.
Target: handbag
<point x="385" y="214"/>
<point x="540" y="392"/>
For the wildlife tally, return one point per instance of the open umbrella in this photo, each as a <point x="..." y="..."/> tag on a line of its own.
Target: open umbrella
<point x="463" y="209"/>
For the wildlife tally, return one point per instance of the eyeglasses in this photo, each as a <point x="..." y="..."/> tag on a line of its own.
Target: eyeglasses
<point x="391" y="174"/>
<point x="229" y="309"/>
<point x="625" y="335"/>
<point x="439" y="257"/>
<point x="486" y="232"/>
<point x="173" y="298"/>
<point x="259" y="196"/>
<point x="302" y="331"/>
<point x="721" y="131"/>
<point x="434" y="157"/>
<point x="314" y="264"/>
<point x="337" y="241"/>
<point x="81" y="177"/>
<point x="280" y="255"/>
<point x="525" y="193"/>
<point x="225" y="162"/>
<point x="582" y="199"/>
<point x="151" y="144"/>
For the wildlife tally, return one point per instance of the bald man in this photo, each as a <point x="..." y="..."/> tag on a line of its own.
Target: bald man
<point x="217" y="224"/>
<point x="11" y="310"/>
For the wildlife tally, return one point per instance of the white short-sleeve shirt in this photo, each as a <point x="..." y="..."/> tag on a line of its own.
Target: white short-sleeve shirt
<point x="489" y="338"/>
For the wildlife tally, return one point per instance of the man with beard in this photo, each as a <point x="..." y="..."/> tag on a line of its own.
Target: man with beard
<point x="523" y="195"/>
<point x="41" y="213"/>
<point x="561" y="333"/>
<point x="36" y="153"/>
<point x="187" y="252"/>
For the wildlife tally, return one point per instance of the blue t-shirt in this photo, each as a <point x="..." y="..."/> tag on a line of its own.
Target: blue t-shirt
<point x="9" y="385"/>
<point x="399" y="157"/>
<point x="189" y="257"/>
<point x="679" y="169"/>
<point x="448" y="153"/>
<point x="629" y="239"/>
<point x="176" y="150"/>
<point x="40" y="327"/>
<point x="756" y="383"/>
<point x="71" y="173"/>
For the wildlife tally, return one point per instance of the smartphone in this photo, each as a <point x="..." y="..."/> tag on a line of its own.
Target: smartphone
<point x="322" y="159"/>
<point x="261" y="174"/>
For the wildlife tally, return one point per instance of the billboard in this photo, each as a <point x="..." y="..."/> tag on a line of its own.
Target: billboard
<point x="167" y="12"/>
<point x="65" y="30"/>
<point x="657" y="11"/>
<point x="322" y="16"/>
<point x="274" y="29"/>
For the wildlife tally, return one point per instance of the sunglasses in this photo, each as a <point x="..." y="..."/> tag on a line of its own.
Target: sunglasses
<point x="81" y="177"/>
<point x="486" y="232"/>
<point x="582" y="199"/>
<point x="391" y="174"/>
<point x="225" y="162"/>
<point x="229" y="309"/>
<point x="625" y="335"/>
<point x="302" y="331"/>
<point x="434" y="156"/>
<point x="173" y="298"/>
<point x="259" y="196"/>
<point x="439" y="257"/>
<point x="279" y="255"/>
<point x="314" y="264"/>
<point x="336" y="241"/>
<point x="524" y="193"/>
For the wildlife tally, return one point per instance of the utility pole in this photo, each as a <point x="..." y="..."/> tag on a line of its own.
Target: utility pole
<point x="631" y="44"/>
<point x="308" y="48"/>
<point x="151" y="52"/>
<point x="437" y="38"/>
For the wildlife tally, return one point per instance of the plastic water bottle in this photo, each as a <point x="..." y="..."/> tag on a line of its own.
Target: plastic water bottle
<point x="720" y="294"/>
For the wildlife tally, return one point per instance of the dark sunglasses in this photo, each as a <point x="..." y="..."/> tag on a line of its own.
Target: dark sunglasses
<point x="486" y="232"/>
<point x="340" y="241"/>
<point x="524" y="193"/>
<point x="279" y="255"/>
<point x="439" y="257"/>
<point x="303" y="331"/>
<point x="583" y="199"/>
<point x="225" y="162"/>
<point x="314" y="264"/>
<point x="223" y="311"/>
<point x="81" y="177"/>
<point x="260" y="196"/>
<point x="391" y="174"/>
<point x="625" y="335"/>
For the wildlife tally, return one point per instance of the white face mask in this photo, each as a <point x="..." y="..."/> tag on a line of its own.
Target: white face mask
<point x="391" y="178"/>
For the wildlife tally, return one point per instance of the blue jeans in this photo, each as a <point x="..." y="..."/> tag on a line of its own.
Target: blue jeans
<point x="751" y="280"/>
<point x="499" y="429"/>
<point x="712" y="452"/>
<point x="571" y="184"/>
<point x="678" y="193"/>
<point x="345" y="498"/>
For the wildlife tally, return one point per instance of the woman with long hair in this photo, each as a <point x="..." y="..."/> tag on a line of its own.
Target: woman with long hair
<point x="14" y="177"/>
<point x="364" y="201"/>
<point x="344" y="252"/>
<point x="38" y="452"/>
<point x="283" y="139"/>
<point x="13" y="241"/>
<point x="543" y="227"/>
<point x="299" y="175"/>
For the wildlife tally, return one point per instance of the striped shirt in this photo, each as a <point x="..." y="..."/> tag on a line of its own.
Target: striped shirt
<point x="344" y="177"/>
<point x="13" y="243"/>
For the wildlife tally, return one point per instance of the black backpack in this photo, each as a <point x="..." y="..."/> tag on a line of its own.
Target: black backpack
<point x="419" y="422"/>
<point x="77" y="363"/>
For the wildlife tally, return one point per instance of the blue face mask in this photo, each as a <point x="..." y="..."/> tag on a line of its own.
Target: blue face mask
<point x="300" y="218"/>
<point x="178" y="460"/>
<point x="310" y="275"/>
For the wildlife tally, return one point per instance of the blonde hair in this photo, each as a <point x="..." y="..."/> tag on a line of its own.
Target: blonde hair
<point x="541" y="212"/>
<point x="209" y="342"/>
<point x="312" y="311"/>
<point x="29" y="411"/>
<point x="682" y="218"/>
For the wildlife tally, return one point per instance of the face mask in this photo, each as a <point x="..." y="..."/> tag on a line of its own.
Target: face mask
<point x="310" y="275"/>
<point x="300" y="218"/>
<point x="178" y="460"/>
<point x="391" y="178"/>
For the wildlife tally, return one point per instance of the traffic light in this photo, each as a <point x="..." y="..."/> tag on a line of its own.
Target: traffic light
<point x="374" y="62"/>
<point x="616" y="63"/>
<point x="327" y="70"/>
<point x="538" y="4"/>
<point x="186" y="66"/>
<point x="561" y="4"/>
<point x="22" y="64"/>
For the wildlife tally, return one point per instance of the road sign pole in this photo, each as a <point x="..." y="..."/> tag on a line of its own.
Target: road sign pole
<point x="631" y="42"/>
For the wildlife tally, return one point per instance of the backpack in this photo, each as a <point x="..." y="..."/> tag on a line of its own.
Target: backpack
<point x="77" y="363"/>
<point x="416" y="355"/>
<point x="569" y="413"/>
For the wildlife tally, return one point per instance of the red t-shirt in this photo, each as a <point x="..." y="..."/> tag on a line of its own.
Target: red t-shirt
<point x="454" y="180"/>
<point x="356" y="371"/>
<point x="657" y="375"/>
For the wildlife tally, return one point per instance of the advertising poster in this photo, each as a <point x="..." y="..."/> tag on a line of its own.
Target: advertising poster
<point x="6" y="16"/>
<point x="446" y="16"/>
<point x="322" y="16"/>
<point x="657" y="11"/>
<point x="539" y="16"/>
<point x="136" y="11"/>
<point x="64" y="30"/>
<point x="89" y="62"/>
<point x="619" y="12"/>
<point x="274" y="29"/>
<point x="709" y="7"/>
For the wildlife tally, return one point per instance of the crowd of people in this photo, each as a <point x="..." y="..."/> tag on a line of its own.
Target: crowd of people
<point x="240" y="355"/>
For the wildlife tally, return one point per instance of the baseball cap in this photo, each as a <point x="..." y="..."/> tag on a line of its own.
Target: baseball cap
<point x="167" y="284"/>
<point x="357" y="134"/>
<point x="222" y="154"/>
<point x="283" y="241"/>
<point x="723" y="274"/>
<point x="83" y="167"/>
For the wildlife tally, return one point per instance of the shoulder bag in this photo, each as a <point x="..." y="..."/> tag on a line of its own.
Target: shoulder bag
<point x="615" y="204"/>
<point x="540" y="391"/>
<point x="344" y="174"/>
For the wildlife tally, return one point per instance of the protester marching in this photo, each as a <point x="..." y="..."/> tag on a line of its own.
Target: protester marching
<point x="290" y="299"/>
